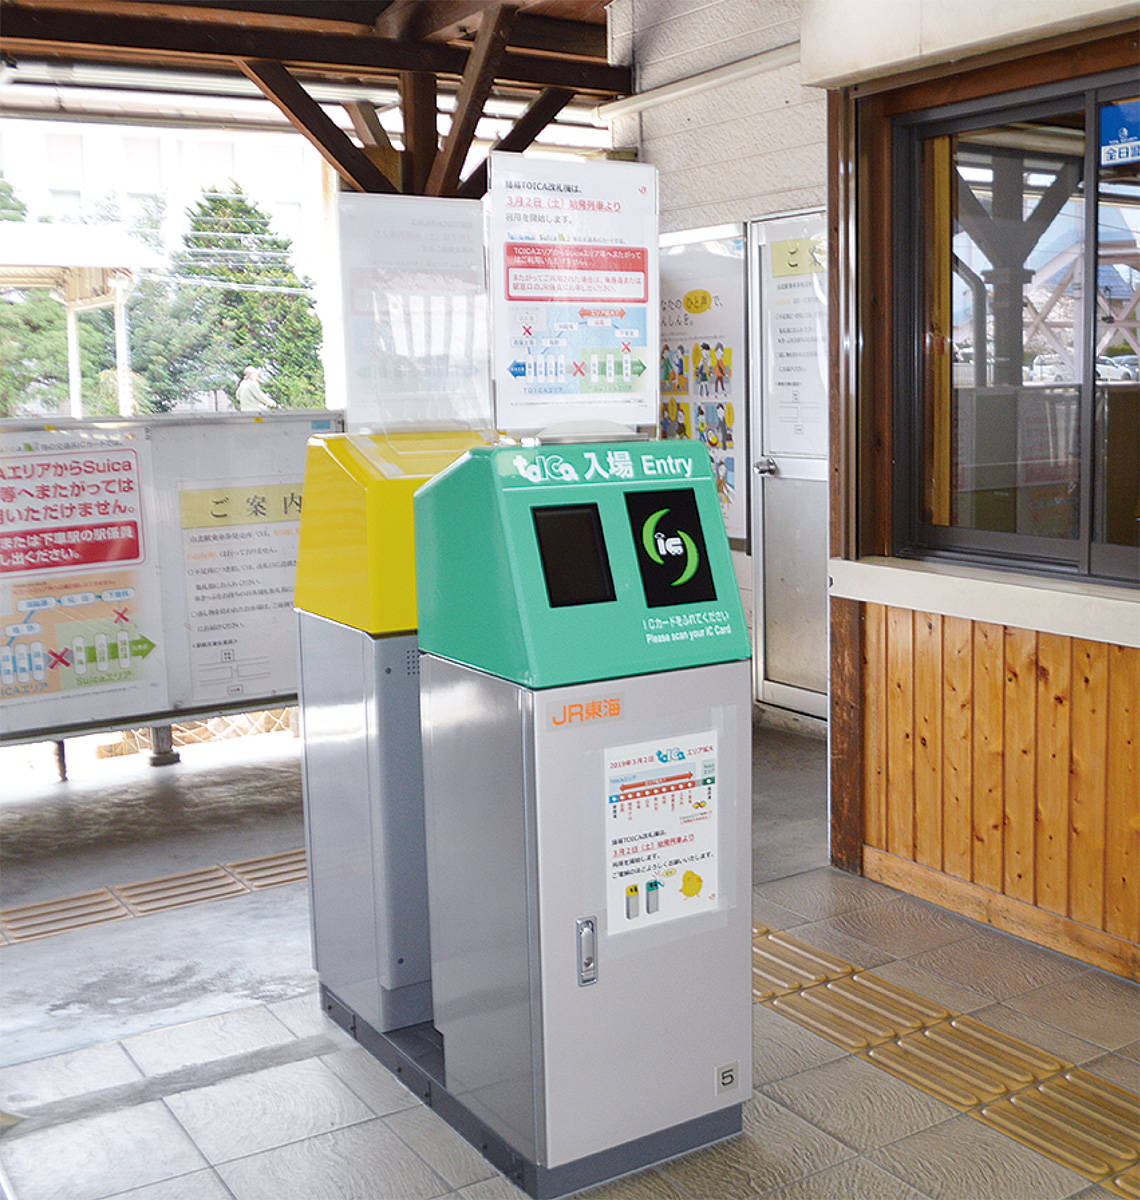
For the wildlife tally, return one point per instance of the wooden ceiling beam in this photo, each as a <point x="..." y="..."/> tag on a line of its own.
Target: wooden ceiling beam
<point x="352" y="164"/>
<point x="522" y="134"/>
<point x="78" y="35"/>
<point x="439" y="21"/>
<point x="421" y="138"/>
<point x="474" y="88"/>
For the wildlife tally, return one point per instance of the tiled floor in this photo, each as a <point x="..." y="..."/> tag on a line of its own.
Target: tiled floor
<point x="268" y="1100"/>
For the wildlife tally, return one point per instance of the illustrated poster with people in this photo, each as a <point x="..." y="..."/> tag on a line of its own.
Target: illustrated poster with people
<point x="702" y="377"/>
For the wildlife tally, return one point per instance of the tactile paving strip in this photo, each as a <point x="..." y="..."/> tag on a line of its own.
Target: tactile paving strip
<point x="860" y="1011"/>
<point x="783" y="964"/>
<point x="31" y="921"/>
<point x="965" y="1063"/>
<point x="271" y="871"/>
<point x="1080" y="1120"/>
<point x="1071" y="1116"/>
<point x="175" y="891"/>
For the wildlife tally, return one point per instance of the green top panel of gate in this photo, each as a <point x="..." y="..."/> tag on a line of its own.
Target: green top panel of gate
<point x="555" y="565"/>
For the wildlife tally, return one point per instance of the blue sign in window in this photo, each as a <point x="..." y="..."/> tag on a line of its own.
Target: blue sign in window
<point x="1120" y="133"/>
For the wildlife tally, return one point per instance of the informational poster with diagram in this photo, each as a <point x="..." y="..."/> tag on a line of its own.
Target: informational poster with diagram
<point x="795" y="352"/>
<point x="79" y="602"/>
<point x="661" y="831"/>
<point x="702" y="368"/>
<point x="239" y="542"/>
<point x="574" y="291"/>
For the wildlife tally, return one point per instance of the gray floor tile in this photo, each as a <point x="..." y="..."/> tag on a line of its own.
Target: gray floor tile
<point x="207" y="1040"/>
<point x="365" y="1162"/>
<point x="824" y="936"/>
<point x="998" y="965"/>
<point x="1131" y="1051"/>
<point x="1100" y="1008"/>
<point x="775" y="916"/>
<point x="1045" y="1037"/>
<point x="268" y="1108"/>
<point x="964" y="1158"/>
<point x="46" y="1080"/>
<point x="99" y="1156"/>
<point x="857" y="1103"/>
<point x="202" y="1185"/>
<point x="304" y="1017"/>
<point x="1116" y="1069"/>
<point x="823" y="893"/>
<point x="855" y="1179"/>
<point x="497" y="1188"/>
<point x="782" y="1047"/>
<point x="938" y="988"/>
<point x="776" y="1148"/>
<point x="449" y="1155"/>
<point x="373" y="1083"/>
<point x="903" y="926"/>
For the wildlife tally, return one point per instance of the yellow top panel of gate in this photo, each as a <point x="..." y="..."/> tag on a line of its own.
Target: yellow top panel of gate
<point x="356" y="556"/>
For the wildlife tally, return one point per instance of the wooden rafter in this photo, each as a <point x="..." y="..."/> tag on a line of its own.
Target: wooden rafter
<point x="76" y="34"/>
<point x="475" y="87"/>
<point x="309" y="118"/>
<point x="439" y="21"/>
<point x="421" y="141"/>
<point x="525" y="130"/>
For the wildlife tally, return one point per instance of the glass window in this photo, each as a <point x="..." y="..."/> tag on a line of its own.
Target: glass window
<point x="1018" y="296"/>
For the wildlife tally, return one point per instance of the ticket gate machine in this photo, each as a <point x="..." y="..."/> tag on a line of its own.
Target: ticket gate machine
<point x="586" y="717"/>
<point x="358" y="689"/>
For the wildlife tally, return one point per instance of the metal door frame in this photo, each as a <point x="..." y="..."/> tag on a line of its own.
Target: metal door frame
<point x="765" y="691"/>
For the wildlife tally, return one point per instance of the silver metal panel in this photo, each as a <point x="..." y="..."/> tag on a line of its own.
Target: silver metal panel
<point x="640" y="1049"/>
<point x="363" y="786"/>
<point x="483" y="894"/>
<point x="795" y="582"/>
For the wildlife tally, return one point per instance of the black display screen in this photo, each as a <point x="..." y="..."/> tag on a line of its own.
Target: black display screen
<point x="670" y="547"/>
<point x="573" y="553"/>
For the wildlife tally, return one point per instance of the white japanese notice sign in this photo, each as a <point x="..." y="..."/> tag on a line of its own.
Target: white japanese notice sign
<point x="795" y="352"/>
<point x="79" y="601"/>
<point x="239" y="541"/>
<point x="574" y="291"/>
<point x="661" y="831"/>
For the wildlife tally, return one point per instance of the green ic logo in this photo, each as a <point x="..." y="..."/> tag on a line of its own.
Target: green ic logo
<point x="658" y="546"/>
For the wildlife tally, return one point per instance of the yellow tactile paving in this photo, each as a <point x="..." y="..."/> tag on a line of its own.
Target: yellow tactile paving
<point x="783" y="964"/>
<point x="271" y="870"/>
<point x="1071" y="1116"/>
<point x="175" y="891"/>
<point x="964" y="1063"/>
<point x="31" y="921"/>
<point x="860" y="1011"/>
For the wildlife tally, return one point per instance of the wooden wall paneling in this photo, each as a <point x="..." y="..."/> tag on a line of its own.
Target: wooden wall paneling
<point x="875" y="725"/>
<point x="900" y="732"/>
<point x="989" y="750"/>
<point x="845" y="735"/>
<point x="1088" y="772"/>
<point x="1054" y="745"/>
<point x="1019" y="784"/>
<point x="957" y="747"/>
<point x="1122" y="801"/>
<point x="928" y="696"/>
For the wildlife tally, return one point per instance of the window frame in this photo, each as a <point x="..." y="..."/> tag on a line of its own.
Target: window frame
<point x="912" y="536"/>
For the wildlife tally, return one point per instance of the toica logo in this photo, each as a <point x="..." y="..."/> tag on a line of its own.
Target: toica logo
<point x="657" y="546"/>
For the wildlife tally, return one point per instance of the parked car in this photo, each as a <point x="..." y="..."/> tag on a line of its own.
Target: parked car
<point x="1111" y="368"/>
<point x="1131" y="364"/>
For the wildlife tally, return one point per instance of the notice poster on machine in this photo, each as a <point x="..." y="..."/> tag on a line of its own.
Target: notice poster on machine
<point x="574" y="287"/>
<point x="661" y="831"/>
<point x="702" y="369"/>
<point x="239" y="543"/>
<point x="78" y="596"/>
<point x="795" y="352"/>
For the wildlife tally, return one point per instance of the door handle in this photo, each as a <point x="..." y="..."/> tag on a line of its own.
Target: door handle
<point x="765" y="466"/>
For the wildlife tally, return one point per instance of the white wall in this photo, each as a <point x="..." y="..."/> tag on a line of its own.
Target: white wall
<point x="847" y="40"/>
<point x="732" y="150"/>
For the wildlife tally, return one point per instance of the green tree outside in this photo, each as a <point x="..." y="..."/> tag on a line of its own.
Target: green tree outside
<point x="264" y="310"/>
